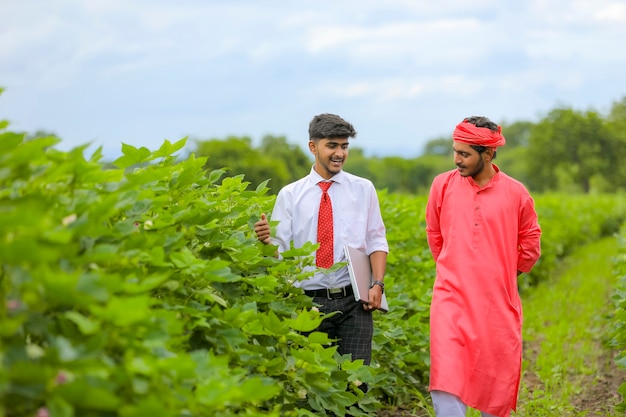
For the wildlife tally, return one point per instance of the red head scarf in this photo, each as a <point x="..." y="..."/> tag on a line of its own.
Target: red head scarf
<point x="482" y="136"/>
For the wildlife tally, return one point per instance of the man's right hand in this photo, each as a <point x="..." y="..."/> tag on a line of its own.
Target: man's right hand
<point x="262" y="229"/>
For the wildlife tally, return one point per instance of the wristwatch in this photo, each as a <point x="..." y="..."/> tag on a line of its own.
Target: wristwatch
<point x="379" y="283"/>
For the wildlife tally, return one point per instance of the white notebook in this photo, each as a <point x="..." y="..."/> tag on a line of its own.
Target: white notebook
<point x="361" y="276"/>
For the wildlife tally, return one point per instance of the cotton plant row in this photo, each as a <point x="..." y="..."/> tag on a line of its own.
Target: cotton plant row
<point x="138" y="288"/>
<point x="617" y="340"/>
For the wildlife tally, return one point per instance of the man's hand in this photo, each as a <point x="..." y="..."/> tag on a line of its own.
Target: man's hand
<point x="262" y="230"/>
<point x="375" y="298"/>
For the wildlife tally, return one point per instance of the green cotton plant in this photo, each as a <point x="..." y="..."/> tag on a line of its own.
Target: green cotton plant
<point x="139" y="289"/>
<point x="617" y="339"/>
<point x="569" y="221"/>
<point x="401" y="338"/>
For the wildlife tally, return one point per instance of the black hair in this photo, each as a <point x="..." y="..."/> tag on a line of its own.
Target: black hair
<point x="329" y="126"/>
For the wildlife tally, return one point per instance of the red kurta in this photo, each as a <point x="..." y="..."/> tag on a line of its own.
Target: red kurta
<point x="479" y="238"/>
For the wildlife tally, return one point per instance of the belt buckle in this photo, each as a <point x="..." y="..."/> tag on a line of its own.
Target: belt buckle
<point x="336" y="292"/>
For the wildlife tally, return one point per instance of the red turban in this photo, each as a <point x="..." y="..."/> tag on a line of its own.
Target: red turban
<point x="482" y="136"/>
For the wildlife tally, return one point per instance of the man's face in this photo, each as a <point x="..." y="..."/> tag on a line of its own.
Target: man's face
<point x="469" y="162"/>
<point x="330" y="155"/>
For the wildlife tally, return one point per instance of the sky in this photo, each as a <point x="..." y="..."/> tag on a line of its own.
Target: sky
<point x="403" y="72"/>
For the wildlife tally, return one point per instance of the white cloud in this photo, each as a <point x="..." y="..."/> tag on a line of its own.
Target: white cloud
<point x="612" y="12"/>
<point x="146" y="69"/>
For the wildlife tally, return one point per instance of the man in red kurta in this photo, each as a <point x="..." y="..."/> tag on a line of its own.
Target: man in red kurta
<point x="483" y="232"/>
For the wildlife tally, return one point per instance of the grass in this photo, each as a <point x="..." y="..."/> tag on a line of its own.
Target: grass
<point x="565" y="322"/>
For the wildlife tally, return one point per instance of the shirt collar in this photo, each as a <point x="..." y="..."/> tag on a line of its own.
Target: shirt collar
<point x="315" y="177"/>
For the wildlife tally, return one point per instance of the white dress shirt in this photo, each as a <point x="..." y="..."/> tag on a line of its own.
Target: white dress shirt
<point x="357" y="221"/>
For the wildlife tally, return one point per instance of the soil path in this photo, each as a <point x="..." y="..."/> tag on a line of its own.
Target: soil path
<point x="572" y="316"/>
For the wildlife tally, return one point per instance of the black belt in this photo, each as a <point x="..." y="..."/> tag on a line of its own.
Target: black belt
<point x="330" y="292"/>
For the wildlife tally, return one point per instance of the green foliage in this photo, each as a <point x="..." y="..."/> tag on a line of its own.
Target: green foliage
<point x="439" y="147"/>
<point x="396" y="174"/>
<point x="617" y="339"/>
<point x="401" y="340"/>
<point x="569" y="149"/>
<point x="517" y="134"/>
<point x="616" y="123"/>
<point x="275" y="160"/>
<point x="566" y="151"/>
<point x="570" y="221"/>
<point x="140" y="290"/>
<point x="565" y="324"/>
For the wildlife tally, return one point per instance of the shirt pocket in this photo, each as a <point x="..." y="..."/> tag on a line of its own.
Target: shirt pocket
<point x="353" y="228"/>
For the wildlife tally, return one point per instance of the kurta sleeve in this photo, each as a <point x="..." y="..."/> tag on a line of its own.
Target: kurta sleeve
<point x="529" y="240"/>
<point x="433" y="211"/>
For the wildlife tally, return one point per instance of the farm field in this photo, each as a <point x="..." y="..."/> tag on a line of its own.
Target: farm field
<point x="569" y="369"/>
<point x="139" y="289"/>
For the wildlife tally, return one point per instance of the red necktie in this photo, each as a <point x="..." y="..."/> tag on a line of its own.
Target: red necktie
<point x="325" y="256"/>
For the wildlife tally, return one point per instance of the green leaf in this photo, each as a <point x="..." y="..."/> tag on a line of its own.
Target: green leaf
<point x="132" y="156"/>
<point x="152" y="406"/>
<point x="84" y="395"/>
<point x="125" y="311"/>
<point x="85" y="325"/>
<point x="306" y="321"/>
<point x="167" y="148"/>
<point x="58" y="407"/>
<point x="258" y="389"/>
<point x="215" y="175"/>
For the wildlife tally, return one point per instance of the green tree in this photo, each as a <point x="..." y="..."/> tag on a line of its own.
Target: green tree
<point x="361" y="165"/>
<point x="570" y="150"/>
<point x="275" y="159"/>
<point x="237" y="156"/>
<point x="517" y="133"/>
<point x="514" y="162"/>
<point x="426" y="167"/>
<point x="616" y="121"/>
<point x="440" y="146"/>
<point x="297" y="161"/>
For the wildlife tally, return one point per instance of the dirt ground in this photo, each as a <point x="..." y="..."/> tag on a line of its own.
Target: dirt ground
<point x="598" y="396"/>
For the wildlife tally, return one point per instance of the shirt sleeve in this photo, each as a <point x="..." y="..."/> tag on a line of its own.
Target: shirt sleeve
<point x="283" y="213"/>
<point x="376" y="236"/>
<point x="529" y="240"/>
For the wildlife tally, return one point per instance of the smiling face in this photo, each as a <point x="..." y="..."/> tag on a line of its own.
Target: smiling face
<point x="330" y="155"/>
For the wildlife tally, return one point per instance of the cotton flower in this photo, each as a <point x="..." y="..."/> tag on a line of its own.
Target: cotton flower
<point x="69" y="219"/>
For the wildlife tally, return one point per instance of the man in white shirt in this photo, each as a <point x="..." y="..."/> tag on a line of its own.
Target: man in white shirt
<point x="356" y="221"/>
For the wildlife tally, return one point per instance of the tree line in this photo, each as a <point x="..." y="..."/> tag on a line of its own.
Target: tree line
<point x="567" y="150"/>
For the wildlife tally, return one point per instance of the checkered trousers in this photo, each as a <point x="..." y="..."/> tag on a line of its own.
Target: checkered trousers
<point x="353" y="326"/>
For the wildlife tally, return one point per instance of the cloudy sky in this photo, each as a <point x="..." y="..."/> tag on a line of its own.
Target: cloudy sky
<point x="402" y="71"/>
